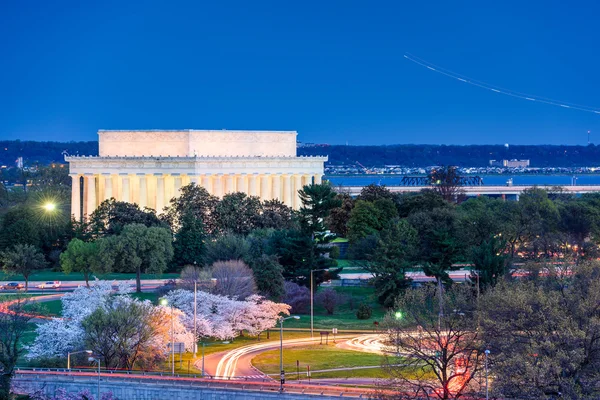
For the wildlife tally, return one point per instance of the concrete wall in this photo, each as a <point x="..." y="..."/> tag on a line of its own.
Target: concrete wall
<point x="132" y="389"/>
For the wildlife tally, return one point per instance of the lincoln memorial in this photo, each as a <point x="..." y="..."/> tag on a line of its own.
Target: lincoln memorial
<point x="149" y="167"/>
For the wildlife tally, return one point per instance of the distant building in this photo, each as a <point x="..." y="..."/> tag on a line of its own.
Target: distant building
<point x="509" y="163"/>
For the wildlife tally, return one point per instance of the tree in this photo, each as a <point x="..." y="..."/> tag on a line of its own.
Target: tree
<point x="298" y="297"/>
<point x="489" y="262"/>
<point x="439" y="243"/>
<point x="317" y="201"/>
<point x="394" y="252"/>
<point x="18" y="226"/>
<point x="14" y="325"/>
<point x="226" y="247"/>
<point x="111" y="217"/>
<point x="137" y="249"/>
<point x="425" y="200"/>
<point x="374" y="192"/>
<point x="193" y="200"/>
<point x="447" y="182"/>
<point x="126" y="333"/>
<point x="234" y="279"/>
<point x="188" y="246"/>
<point x="339" y="216"/>
<point x="443" y="353"/>
<point x="268" y="274"/>
<point x="329" y="299"/>
<point x="22" y="259"/>
<point x="578" y="220"/>
<point x="81" y="257"/>
<point x="238" y="213"/>
<point x="544" y="334"/>
<point x="276" y="215"/>
<point x="364" y="221"/>
<point x="191" y="275"/>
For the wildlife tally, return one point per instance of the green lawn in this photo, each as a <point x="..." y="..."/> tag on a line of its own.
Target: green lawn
<point x="344" y="316"/>
<point x="317" y="356"/>
<point x="51" y="308"/>
<point x="48" y="275"/>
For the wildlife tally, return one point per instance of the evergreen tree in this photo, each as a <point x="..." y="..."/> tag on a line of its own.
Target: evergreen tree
<point x="188" y="247"/>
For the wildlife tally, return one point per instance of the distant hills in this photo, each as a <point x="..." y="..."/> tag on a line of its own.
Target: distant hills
<point x="370" y="156"/>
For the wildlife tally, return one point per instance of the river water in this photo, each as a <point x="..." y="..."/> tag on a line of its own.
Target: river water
<point x="488" y="180"/>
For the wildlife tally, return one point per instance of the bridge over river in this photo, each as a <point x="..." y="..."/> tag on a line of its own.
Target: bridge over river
<point x="508" y="192"/>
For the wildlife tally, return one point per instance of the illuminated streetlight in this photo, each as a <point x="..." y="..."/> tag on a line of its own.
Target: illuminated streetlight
<point x="164" y="302"/>
<point x="398" y="315"/>
<point x="50" y="207"/>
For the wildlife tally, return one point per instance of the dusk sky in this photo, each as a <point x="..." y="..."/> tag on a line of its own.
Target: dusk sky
<point x="332" y="70"/>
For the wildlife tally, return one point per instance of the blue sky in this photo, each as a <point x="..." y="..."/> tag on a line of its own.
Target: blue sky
<point x="332" y="70"/>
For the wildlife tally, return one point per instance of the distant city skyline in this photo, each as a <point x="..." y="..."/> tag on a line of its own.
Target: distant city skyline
<point x="335" y="72"/>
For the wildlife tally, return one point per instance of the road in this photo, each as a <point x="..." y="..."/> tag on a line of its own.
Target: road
<point x="69" y="286"/>
<point x="236" y="364"/>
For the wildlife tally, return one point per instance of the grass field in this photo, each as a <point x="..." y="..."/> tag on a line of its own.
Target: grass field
<point x="51" y="308"/>
<point x="48" y="275"/>
<point x="345" y="315"/>
<point x="317" y="356"/>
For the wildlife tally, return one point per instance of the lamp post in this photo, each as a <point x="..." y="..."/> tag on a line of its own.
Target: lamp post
<point x="195" y="328"/>
<point x="487" y="392"/>
<point x="165" y="302"/>
<point x="312" y="299"/>
<point x="97" y="359"/>
<point x="75" y="352"/>
<point x="398" y="315"/>
<point x="282" y="377"/>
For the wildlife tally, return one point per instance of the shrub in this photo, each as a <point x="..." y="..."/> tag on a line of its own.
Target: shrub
<point x="298" y="297"/>
<point x="329" y="299"/>
<point x="364" y="311"/>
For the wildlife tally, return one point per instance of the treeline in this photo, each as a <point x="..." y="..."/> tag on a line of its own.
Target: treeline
<point x="393" y="233"/>
<point x="409" y="155"/>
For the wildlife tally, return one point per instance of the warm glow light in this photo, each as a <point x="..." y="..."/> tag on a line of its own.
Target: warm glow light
<point x="49" y="207"/>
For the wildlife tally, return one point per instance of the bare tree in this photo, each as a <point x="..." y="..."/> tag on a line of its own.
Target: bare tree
<point x="13" y="326"/>
<point x="191" y="274"/>
<point x="329" y="299"/>
<point x="448" y="183"/>
<point x="433" y="356"/>
<point x="233" y="278"/>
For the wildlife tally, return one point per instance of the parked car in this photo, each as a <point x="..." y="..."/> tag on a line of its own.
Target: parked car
<point x="50" y="285"/>
<point x="14" y="286"/>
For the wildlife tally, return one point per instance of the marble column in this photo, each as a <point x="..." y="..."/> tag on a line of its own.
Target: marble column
<point x="229" y="184"/>
<point x="76" y="197"/>
<point x="264" y="188"/>
<point x="108" y="187"/>
<point x="306" y="180"/>
<point x="276" y="181"/>
<point x="318" y="179"/>
<point x="218" y="185"/>
<point x="194" y="179"/>
<point x="241" y="185"/>
<point x="297" y="187"/>
<point x="160" y="193"/>
<point x="207" y="183"/>
<point x="143" y="191"/>
<point x="90" y="181"/>
<point x="178" y="182"/>
<point x="287" y="191"/>
<point x="252" y="185"/>
<point x="125" y="189"/>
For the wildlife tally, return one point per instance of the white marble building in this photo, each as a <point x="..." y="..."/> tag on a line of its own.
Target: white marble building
<point x="149" y="167"/>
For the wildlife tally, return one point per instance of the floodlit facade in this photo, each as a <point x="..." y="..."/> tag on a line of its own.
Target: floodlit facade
<point x="150" y="167"/>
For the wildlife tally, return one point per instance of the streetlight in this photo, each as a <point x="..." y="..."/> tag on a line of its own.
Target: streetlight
<point x="97" y="358"/>
<point x="164" y="302"/>
<point x="75" y="352"/>
<point x="398" y="315"/>
<point x="282" y="377"/>
<point x="487" y="392"/>
<point x="312" y="299"/>
<point x="49" y="206"/>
